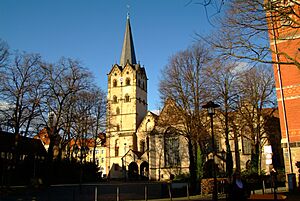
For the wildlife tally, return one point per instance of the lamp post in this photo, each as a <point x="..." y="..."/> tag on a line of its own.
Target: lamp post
<point x="210" y="106"/>
<point x="124" y="167"/>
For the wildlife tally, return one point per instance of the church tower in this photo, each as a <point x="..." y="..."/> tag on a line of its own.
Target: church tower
<point x="284" y="32"/>
<point x="126" y="105"/>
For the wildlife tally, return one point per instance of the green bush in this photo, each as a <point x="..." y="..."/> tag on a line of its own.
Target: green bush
<point x="183" y="177"/>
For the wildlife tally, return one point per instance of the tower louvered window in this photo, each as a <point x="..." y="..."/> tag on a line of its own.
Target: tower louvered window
<point x="115" y="83"/>
<point x="115" y="99"/>
<point x="127" y="98"/>
<point x="127" y="82"/>
<point x="117" y="148"/>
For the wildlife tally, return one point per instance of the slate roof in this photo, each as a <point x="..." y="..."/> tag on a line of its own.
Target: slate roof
<point x="128" y="53"/>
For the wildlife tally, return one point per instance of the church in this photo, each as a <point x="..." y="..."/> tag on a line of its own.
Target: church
<point x="144" y="145"/>
<point x="134" y="150"/>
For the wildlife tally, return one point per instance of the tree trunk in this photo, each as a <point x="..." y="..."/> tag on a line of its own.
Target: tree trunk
<point x="192" y="167"/>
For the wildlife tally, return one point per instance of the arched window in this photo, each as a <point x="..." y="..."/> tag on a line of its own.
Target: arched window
<point x="115" y="99"/>
<point x="118" y="110"/>
<point x="116" y="147"/>
<point x="127" y="82"/>
<point x="246" y="142"/>
<point x="118" y="127"/>
<point x="147" y="143"/>
<point x="115" y="83"/>
<point x="171" y="144"/>
<point x="127" y="98"/>
<point x="142" y="146"/>
<point x="139" y="83"/>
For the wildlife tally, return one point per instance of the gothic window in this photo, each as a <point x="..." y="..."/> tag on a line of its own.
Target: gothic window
<point x="217" y="144"/>
<point x="118" y="127"/>
<point x="118" y="110"/>
<point x="171" y="148"/>
<point x="142" y="146"/>
<point x="115" y="99"/>
<point x="246" y="143"/>
<point x="115" y="83"/>
<point x="116" y="147"/>
<point x="147" y="141"/>
<point x="127" y="98"/>
<point x="231" y="145"/>
<point x="127" y="81"/>
<point x="139" y="83"/>
<point x="143" y="85"/>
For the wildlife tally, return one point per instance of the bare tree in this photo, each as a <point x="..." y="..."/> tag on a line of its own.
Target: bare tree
<point x="98" y="115"/>
<point x="21" y="91"/>
<point x="223" y="79"/>
<point x="244" y="29"/>
<point x="184" y="84"/>
<point x="256" y="88"/>
<point x="65" y="80"/>
<point x="89" y="117"/>
<point x="4" y="54"/>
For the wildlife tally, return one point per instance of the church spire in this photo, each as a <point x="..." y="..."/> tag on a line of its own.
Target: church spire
<point x="128" y="54"/>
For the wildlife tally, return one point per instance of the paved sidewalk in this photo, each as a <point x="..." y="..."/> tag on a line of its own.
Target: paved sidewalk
<point x="61" y="194"/>
<point x="193" y="198"/>
<point x="290" y="197"/>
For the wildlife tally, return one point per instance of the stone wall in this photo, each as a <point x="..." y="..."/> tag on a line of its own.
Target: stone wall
<point x="208" y="184"/>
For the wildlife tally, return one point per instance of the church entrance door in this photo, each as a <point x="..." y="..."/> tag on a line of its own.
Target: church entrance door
<point x="133" y="171"/>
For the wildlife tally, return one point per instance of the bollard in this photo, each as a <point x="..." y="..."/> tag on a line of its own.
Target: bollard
<point x="263" y="189"/>
<point x="146" y="193"/>
<point x="74" y="194"/>
<point x="170" y="191"/>
<point x="187" y="191"/>
<point x="118" y="194"/>
<point x="96" y="193"/>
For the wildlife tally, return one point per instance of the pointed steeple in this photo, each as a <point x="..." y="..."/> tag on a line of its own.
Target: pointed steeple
<point x="128" y="53"/>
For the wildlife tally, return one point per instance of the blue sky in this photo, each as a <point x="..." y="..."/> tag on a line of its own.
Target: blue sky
<point x="92" y="31"/>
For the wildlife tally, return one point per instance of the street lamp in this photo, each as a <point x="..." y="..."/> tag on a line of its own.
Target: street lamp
<point x="211" y="106"/>
<point x="124" y="164"/>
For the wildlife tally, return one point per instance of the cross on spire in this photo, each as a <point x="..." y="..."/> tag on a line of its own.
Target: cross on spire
<point x="128" y="13"/>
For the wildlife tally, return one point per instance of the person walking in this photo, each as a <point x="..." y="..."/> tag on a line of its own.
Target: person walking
<point x="237" y="189"/>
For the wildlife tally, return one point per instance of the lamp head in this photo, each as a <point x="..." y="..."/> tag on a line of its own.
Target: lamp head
<point x="210" y="106"/>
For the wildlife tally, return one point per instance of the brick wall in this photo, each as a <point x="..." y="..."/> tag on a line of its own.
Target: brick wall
<point x="288" y="42"/>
